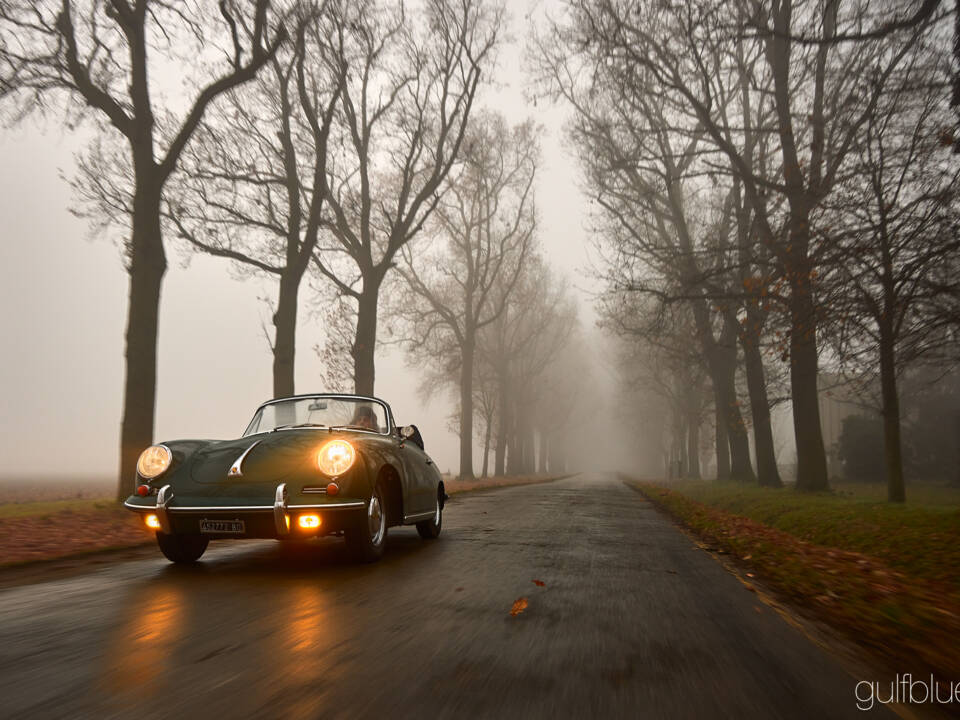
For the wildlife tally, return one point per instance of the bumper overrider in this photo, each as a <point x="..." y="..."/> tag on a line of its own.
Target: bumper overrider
<point x="282" y="519"/>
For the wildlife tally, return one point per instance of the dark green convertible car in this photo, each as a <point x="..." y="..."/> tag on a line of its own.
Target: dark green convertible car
<point x="306" y="466"/>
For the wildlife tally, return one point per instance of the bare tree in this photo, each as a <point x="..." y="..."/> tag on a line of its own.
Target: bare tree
<point x="251" y="187"/>
<point x="487" y="222"/>
<point x="896" y="222"/>
<point x="402" y="116"/>
<point x="95" y="57"/>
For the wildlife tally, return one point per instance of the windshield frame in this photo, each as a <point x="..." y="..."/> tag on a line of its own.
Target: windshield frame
<point x="332" y="396"/>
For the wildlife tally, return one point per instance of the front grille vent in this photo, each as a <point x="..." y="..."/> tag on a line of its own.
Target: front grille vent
<point x="315" y="490"/>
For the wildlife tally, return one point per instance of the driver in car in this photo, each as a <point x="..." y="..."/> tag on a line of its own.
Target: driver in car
<point x="365" y="418"/>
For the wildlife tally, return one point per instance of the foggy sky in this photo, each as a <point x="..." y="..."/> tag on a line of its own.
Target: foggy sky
<point x="63" y="299"/>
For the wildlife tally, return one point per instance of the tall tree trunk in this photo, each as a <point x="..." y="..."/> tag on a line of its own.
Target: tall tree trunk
<point x="503" y="426"/>
<point x="892" y="445"/>
<point x="767" y="472"/>
<point x="811" y="456"/>
<point x="466" y="407"/>
<point x="284" y="344"/>
<point x="542" y="452"/>
<point x="486" y="447"/>
<point x="148" y="264"/>
<point x="741" y="469"/>
<point x="365" y="341"/>
<point x="693" y="446"/>
<point x="722" y="445"/>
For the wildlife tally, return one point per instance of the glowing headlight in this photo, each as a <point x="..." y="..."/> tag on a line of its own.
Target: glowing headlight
<point x="336" y="457"/>
<point x="154" y="460"/>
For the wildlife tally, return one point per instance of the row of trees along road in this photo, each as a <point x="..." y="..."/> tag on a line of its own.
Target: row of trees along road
<point x="319" y="134"/>
<point x="482" y="312"/>
<point x="782" y="171"/>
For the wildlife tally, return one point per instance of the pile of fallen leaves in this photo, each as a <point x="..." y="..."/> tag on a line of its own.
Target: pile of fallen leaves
<point x="910" y="620"/>
<point x="67" y="532"/>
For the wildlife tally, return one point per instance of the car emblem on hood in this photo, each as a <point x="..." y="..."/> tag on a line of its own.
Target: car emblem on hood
<point x="236" y="470"/>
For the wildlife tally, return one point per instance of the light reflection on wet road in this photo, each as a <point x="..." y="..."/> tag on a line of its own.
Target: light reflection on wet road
<point x="632" y="621"/>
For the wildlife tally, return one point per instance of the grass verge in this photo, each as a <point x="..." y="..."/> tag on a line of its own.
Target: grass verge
<point x="861" y="569"/>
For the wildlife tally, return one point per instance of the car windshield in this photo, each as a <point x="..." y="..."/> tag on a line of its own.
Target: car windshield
<point x="320" y="411"/>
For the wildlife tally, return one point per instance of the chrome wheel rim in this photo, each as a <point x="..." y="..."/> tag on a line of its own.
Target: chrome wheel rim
<point x="436" y="515"/>
<point x="376" y="520"/>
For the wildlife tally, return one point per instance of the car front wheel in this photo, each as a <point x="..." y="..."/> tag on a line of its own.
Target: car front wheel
<point x="368" y="539"/>
<point x="182" y="548"/>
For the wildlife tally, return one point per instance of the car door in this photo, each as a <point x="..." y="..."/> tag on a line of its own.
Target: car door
<point x="420" y="497"/>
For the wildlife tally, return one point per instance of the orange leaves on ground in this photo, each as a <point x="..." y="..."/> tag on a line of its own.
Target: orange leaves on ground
<point x="519" y="605"/>
<point x="68" y="532"/>
<point x="539" y="583"/>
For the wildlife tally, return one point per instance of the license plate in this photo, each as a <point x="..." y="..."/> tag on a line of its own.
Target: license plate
<point x="222" y="526"/>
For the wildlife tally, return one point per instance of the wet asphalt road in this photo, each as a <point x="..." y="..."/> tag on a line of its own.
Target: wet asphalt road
<point x="633" y="621"/>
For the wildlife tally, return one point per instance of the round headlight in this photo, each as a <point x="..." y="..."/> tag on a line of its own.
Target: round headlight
<point x="154" y="460"/>
<point x="336" y="457"/>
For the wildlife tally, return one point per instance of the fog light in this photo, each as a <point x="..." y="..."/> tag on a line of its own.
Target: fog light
<point x="309" y="522"/>
<point x="143" y="490"/>
<point x="152" y="521"/>
<point x="286" y="519"/>
<point x="333" y="489"/>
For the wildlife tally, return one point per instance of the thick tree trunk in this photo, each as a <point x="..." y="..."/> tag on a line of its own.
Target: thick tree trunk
<point x="486" y="447"/>
<point x="466" y="408"/>
<point x="693" y="446"/>
<point x="284" y="343"/>
<point x="722" y="445"/>
<point x="503" y="425"/>
<point x="811" y="457"/>
<point x="147" y="267"/>
<point x="365" y="341"/>
<point x="892" y="444"/>
<point x="741" y="469"/>
<point x="767" y="472"/>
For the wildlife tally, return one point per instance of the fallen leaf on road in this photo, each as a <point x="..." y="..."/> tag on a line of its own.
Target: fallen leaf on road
<point x="519" y="605"/>
<point x="539" y="583"/>
<point x="458" y="589"/>
<point x="747" y="557"/>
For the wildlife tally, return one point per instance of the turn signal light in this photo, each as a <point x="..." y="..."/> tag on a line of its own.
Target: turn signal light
<point x="143" y="490"/>
<point x="333" y="489"/>
<point x="309" y="522"/>
<point x="152" y="521"/>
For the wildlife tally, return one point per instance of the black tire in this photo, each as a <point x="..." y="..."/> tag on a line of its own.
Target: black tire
<point x="368" y="539"/>
<point x="430" y="529"/>
<point x="182" y="548"/>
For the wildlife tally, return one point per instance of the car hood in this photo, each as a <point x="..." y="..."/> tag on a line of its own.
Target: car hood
<point x="271" y="457"/>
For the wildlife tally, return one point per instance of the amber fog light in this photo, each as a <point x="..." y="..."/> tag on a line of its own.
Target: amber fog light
<point x="333" y="489"/>
<point x="152" y="522"/>
<point x="309" y="522"/>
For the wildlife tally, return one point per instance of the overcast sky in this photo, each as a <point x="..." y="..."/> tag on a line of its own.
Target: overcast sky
<point x="63" y="299"/>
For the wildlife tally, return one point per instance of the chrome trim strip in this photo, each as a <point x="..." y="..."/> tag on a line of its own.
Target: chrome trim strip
<point x="245" y="508"/>
<point x="236" y="470"/>
<point x="314" y="491"/>
<point x="164" y="496"/>
<point x="330" y="506"/>
<point x="419" y="516"/>
<point x="280" y="510"/>
<point x="221" y="508"/>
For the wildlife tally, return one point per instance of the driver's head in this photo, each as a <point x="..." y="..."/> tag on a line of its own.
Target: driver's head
<point x="365" y="418"/>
